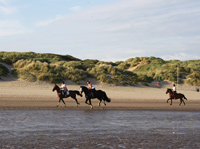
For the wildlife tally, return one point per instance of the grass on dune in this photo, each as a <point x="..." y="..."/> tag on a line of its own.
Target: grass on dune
<point x="55" y="68"/>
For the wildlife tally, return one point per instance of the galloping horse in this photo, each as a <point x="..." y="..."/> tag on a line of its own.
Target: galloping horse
<point x="178" y="96"/>
<point x="91" y="94"/>
<point x="72" y="93"/>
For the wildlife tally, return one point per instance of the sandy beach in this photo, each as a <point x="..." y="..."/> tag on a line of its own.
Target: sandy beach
<point x="17" y="94"/>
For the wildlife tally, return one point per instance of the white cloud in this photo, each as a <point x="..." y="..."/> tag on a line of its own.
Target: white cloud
<point x="5" y="8"/>
<point x="49" y="21"/>
<point x="3" y="2"/>
<point x="121" y="30"/>
<point x="126" y="26"/>
<point x="12" y="27"/>
<point x="75" y="8"/>
<point x="181" y="56"/>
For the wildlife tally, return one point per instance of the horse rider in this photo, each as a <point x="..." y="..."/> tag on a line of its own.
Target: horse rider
<point x="174" y="91"/>
<point x="64" y="89"/>
<point x="90" y="85"/>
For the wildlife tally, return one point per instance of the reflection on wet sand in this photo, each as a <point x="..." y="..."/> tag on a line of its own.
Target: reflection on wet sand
<point x="99" y="129"/>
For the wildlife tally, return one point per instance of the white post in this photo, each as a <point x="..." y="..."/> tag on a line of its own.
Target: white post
<point x="177" y="73"/>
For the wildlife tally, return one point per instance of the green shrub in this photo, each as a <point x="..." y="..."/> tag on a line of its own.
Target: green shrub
<point x="194" y="78"/>
<point x="24" y="75"/>
<point x="76" y="65"/>
<point x="55" y="78"/>
<point x="12" y="57"/>
<point x="75" y="75"/>
<point x="3" y="70"/>
<point x="42" y="77"/>
<point x="55" y="68"/>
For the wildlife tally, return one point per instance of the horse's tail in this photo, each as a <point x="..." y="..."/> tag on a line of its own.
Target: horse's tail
<point x="78" y="93"/>
<point x="184" y="97"/>
<point x="105" y="97"/>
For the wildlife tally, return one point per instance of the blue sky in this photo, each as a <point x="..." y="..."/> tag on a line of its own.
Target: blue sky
<point x="109" y="30"/>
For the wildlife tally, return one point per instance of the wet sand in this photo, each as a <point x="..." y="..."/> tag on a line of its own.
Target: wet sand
<point x="8" y="103"/>
<point x="107" y="129"/>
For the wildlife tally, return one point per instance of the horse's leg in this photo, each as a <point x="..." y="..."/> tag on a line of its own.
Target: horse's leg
<point x="74" y="97"/>
<point x="90" y="103"/>
<point x="171" y="102"/>
<point x="99" y="101"/>
<point x="104" y="102"/>
<point x="168" y="100"/>
<point x="63" y="101"/>
<point x="180" y="101"/>
<point x="183" y="102"/>
<point x="58" y="103"/>
<point x="86" y="101"/>
<point x="76" y="102"/>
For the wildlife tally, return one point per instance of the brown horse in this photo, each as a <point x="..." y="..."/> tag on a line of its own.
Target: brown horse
<point x="72" y="94"/>
<point x="178" y="96"/>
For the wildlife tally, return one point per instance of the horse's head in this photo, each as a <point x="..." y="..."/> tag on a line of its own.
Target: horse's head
<point x="83" y="89"/>
<point x="168" y="90"/>
<point x="55" y="88"/>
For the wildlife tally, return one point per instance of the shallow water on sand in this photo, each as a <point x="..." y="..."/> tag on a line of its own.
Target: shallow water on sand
<point x="99" y="129"/>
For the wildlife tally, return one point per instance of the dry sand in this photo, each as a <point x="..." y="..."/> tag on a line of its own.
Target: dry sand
<point x="17" y="94"/>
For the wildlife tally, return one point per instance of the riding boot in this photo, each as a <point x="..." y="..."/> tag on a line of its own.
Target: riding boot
<point x="174" y="94"/>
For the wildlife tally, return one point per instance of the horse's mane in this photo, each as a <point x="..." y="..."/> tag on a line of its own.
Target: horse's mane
<point x="57" y="86"/>
<point x="169" y="90"/>
<point x="83" y="87"/>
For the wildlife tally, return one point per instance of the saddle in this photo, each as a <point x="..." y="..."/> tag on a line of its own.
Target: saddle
<point x="175" y="94"/>
<point x="65" y="92"/>
<point x="92" y="92"/>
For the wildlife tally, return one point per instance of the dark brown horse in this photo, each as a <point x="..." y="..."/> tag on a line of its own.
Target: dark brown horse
<point x="91" y="94"/>
<point x="72" y="94"/>
<point x="178" y="96"/>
